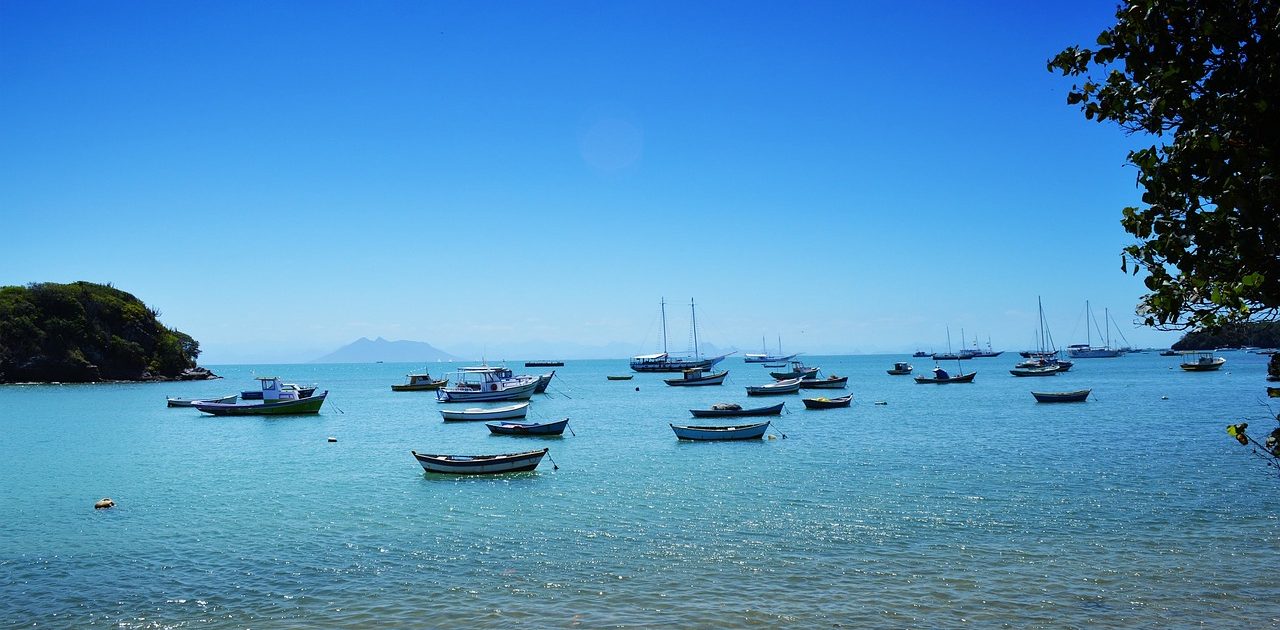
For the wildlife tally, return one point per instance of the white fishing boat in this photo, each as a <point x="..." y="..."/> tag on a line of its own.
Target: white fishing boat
<point x="509" y="412"/>
<point x="485" y="383"/>
<point x="665" y="361"/>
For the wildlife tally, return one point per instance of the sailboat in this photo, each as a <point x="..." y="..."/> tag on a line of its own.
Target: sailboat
<point x="1087" y="350"/>
<point x="665" y="361"/>
<point x="765" y="357"/>
<point x="940" y="376"/>
<point x="1046" y="354"/>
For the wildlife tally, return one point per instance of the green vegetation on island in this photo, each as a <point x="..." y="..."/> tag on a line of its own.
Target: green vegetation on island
<point x="84" y="332"/>
<point x="1252" y="334"/>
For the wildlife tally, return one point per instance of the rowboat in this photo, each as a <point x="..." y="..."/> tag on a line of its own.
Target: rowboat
<point x="900" y="368"/>
<point x="940" y="377"/>
<point x="1047" y="370"/>
<point x="788" y="386"/>
<point x="420" y="382"/>
<point x="748" y="432"/>
<point x="278" y="407"/>
<point x="494" y="413"/>
<point x="798" y="370"/>
<point x="697" y="376"/>
<point x="727" y="410"/>
<point x="479" y="464"/>
<point x="528" y="428"/>
<point x="190" y="402"/>
<point x="830" y="382"/>
<point x="1203" y="362"/>
<point x="775" y="365"/>
<point x="488" y="384"/>
<point x="827" y="403"/>
<point x="622" y="377"/>
<point x="1061" y="397"/>
<point x="543" y="382"/>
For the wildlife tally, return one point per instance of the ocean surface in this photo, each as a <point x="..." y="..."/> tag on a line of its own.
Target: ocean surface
<point x="948" y="505"/>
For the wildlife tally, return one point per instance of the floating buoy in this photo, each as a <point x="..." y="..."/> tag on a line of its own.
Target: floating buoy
<point x="333" y="439"/>
<point x="637" y="389"/>
<point x="773" y="437"/>
<point x="104" y="503"/>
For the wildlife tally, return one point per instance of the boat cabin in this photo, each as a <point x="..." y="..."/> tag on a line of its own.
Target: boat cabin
<point x="486" y="378"/>
<point x="420" y="379"/>
<point x="273" y="389"/>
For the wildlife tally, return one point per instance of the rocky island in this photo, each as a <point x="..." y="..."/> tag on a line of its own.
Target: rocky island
<point x="84" y="332"/>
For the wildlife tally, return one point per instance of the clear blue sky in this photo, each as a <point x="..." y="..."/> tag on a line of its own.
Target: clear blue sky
<point x="280" y="178"/>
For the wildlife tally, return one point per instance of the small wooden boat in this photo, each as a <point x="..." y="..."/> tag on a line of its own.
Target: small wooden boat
<point x="732" y="410"/>
<point x="528" y="428"/>
<point x="493" y="413"/>
<point x="830" y="382"/>
<point x="775" y="365"/>
<point x="1047" y="370"/>
<point x="420" y="382"/>
<point x="697" y="376"/>
<point x="480" y="464"/>
<point x="619" y="377"/>
<point x="191" y="402"/>
<point x="827" y="403"/>
<point x="798" y="370"/>
<point x="543" y="382"/>
<point x="940" y="377"/>
<point x="787" y="386"/>
<point x="708" y="434"/>
<point x="1204" y="362"/>
<point x="279" y="407"/>
<point x="901" y="368"/>
<point x="1061" y="397"/>
<point x="544" y="363"/>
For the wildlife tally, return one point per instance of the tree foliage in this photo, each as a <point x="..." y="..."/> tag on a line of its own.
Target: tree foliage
<point x="85" y="332"/>
<point x="1202" y="80"/>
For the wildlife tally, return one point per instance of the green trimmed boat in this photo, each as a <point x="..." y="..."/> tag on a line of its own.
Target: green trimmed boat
<point x="296" y="407"/>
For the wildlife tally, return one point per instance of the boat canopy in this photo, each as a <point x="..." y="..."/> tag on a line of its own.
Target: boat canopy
<point x="650" y="357"/>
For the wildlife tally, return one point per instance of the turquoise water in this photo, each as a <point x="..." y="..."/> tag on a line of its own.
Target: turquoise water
<point x="949" y="504"/>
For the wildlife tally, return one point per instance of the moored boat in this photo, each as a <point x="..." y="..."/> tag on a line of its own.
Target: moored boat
<point x="785" y="386"/>
<point x="715" y="433"/>
<point x="619" y="377"/>
<point x="485" y="383"/>
<point x="260" y="394"/>
<point x="900" y="368"/>
<point x="920" y="354"/>
<point x="492" y="413"/>
<point x="696" y="377"/>
<point x="543" y="382"/>
<point x="830" y="382"/>
<point x="941" y="377"/>
<point x="827" y="403"/>
<point x="667" y="362"/>
<point x="1203" y="362"/>
<point x="1046" y="370"/>
<point x="269" y="407"/>
<point x="191" y="402"/>
<point x="734" y="410"/>
<point x="544" y="363"/>
<point x="420" y="382"/>
<point x="1087" y="350"/>
<point x="528" y="428"/>
<point x="798" y="370"/>
<point x="1061" y="397"/>
<point x="480" y="464"/>
<point x="765" y="357"/>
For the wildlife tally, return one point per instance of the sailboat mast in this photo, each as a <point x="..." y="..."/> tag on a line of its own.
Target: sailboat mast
<point x="1106" y="316"/>
<point x="779" y="345"/>
<point x="664" y="325"/>
<point x="1088" y="324"/>
<point x="694" y="318"/>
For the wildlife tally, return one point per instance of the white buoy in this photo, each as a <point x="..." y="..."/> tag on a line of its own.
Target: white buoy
<point x="104" y="503"/>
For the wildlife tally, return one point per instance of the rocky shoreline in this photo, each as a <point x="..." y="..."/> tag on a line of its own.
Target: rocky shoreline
<point x="189" y="374"/>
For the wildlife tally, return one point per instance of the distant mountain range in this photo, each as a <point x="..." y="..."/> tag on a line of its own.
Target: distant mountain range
<point x="365" y="350"/>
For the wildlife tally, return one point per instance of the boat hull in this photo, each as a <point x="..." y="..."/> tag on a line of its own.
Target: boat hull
<point x="791" y="386"/>
<point x="421" y="387"/>
<point x="297" y="407"/>
<point x="1044" y="371"/>
<point x="832" y="403"/>
<point x="517" y="392"/>
<point x="709" y="379"/>
<point x="1061" y="397"/>
<point x="824" y="383"/>
<point x="626" y="377"/>
<point x="718" y="434"/>
<point x="191" y="402"/>
<point x="528" y="428"/>
<point x="479" y="464"/>
<point x="771" y="410"/>
<point x="670" y="364"/>
<point x="965" y="378"/>
<point x="1202" y="367"/>
<point x="543" y="382"/>
<point x="509" y="412"/>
